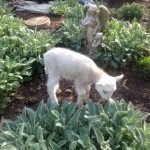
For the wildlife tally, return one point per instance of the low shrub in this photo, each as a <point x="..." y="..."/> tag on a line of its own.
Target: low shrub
<point x="143" y="66"/>
<point x="70" y="33"/>
<point x="132" y="11"/>
<point x="4" y="9"/>
<point x="60" y="7"/>
<point x="124" y="42"/>
<point x="116" y="126"/>
<point x="71" y="36"/>
<point x="20" y="50"/>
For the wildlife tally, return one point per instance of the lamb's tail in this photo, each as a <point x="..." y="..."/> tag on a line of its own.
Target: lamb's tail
<point x="46" y="70"/>
<point x="45" y="64"/>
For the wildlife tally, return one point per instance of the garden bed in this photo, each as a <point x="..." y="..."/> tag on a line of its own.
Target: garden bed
<point x="132" y="88"/>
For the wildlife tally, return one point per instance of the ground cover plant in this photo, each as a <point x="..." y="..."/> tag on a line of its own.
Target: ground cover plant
<point x="143" y="65"/>
<point x="132" y="11"/>
<point x="124" y="42"/>
<point x="70" y="33"/>
<point x="21" y="53"/>
<point x="116" y="126"/>
<point x="22" y="48"/>
<point x="61" y="7"/>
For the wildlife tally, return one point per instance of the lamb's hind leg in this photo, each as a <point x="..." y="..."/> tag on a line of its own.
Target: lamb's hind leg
<point x="58" y="90"/>
<point x="52" y="87"/>
<point x="87" y="90"/>
<point x="80" y="89"/>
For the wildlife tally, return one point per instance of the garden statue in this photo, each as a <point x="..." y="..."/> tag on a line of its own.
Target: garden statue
<point x="93" y="25"/>
<point x="97" y="39"/>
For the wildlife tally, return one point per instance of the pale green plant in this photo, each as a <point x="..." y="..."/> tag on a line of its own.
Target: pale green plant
<point x="115" y="126"/>
<point x="124" y="42"/>
<point x="132" y="11"/>
<point x="21" y="53"/>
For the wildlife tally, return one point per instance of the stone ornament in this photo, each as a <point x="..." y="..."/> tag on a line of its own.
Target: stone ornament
<point x="92" y="26"/>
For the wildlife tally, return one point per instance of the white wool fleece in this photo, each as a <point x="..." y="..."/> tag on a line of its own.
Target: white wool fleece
<point x="61" y="62"/>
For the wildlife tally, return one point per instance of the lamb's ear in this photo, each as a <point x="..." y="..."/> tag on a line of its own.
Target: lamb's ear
<point x="118" y="78"/>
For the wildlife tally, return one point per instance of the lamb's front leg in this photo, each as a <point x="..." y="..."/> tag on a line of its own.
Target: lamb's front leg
<point x="87" y="90"/>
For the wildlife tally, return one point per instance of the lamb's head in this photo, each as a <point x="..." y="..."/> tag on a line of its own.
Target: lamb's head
<point x="107" y="85"/>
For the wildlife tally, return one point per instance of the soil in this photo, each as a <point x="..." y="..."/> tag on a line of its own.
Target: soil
<point x="132" y="88"/>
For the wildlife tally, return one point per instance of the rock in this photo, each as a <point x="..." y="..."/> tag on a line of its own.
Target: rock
<point x="38" y="22"/>
<point x="35" y="8"/>
<point x="86" y="1"/>
<point x="15" y="3"/>
<point x="30" y="3"/>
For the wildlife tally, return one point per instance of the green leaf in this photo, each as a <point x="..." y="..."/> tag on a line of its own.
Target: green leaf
<point x="71" y="109"/>
<point x="54" y="146"/>
<point x="98" y="109"/>
<point x="86" y="141"/>
<point x="141" y="136"/>
<point x="61" y="143"/>
<point x="74" y="121"/>
<point x="40" y="134"/>
<point x="60" y="125"/>
<point x="99" y="136"/>
<point x="114" y="64"/>
<point x="91" y="108"/>
<point x="130" y="106"/>
<point x="51" y="136"/>
<point x="8" y="147"/>
<point x="28" y="141"/>
<point x="72" y="145"/>
<point x="56" y="114"/>
<point x="72" y="136"/>
<point x="19" y="143"/>
<point x="118" y="138"/>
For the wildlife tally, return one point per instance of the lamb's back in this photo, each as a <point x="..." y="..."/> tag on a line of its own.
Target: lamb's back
<point x="68" y="62"/>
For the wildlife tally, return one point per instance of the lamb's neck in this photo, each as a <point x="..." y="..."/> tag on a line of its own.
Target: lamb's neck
<point x="97" y="74"/>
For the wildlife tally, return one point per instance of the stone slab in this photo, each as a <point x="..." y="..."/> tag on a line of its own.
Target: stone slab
<point x="37" y="8"/>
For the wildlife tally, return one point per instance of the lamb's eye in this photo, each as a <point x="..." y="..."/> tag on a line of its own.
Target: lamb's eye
<point x="104" y="92"/>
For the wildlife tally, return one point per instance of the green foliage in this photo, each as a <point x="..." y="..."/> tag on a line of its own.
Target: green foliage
<point x="116" y="126"/>
<point x="60" y="7"/>
<point x="123" y="42"/>
<point x="144" y="66"/>
<point x="71" y="36"/>
<point x="70" y="33"/>
<point x="113" y="12"/>
<point x="76" y="13"/>
<point x="132" y="11"/>
<point x="21" y="51"/>
<point x="4" y="9"/>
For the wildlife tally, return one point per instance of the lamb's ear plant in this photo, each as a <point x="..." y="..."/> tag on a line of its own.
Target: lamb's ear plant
<point x="60" y="7"/>
<point x="70" y="33"/>
<point x="71" y="36"/>
<point x="21" y="53"/>
<point x="132" y="11"/>
<point x="115" y="126"/>
<point x="143" y="65"/>
<point x="124" y="42"/>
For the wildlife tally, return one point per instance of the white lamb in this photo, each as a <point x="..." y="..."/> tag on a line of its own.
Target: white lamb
<point x="61" y="62"/>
